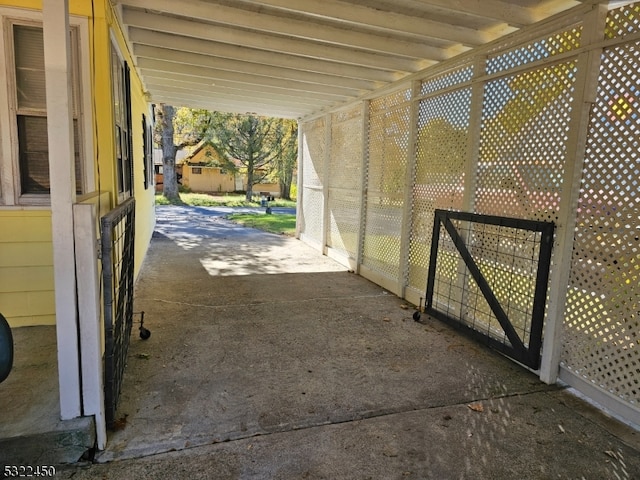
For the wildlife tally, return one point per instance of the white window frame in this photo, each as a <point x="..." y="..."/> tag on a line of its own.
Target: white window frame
<point x="124" y="193"/>
<point x="10" y="184"/>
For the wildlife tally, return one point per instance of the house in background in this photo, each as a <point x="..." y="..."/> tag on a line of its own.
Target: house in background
<point x="204" y="170"/>
<point x="201" y="169"/>
<point x="158" y="168"/>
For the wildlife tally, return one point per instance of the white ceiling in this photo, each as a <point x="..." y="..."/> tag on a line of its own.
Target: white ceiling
<point x="291" y="58"/>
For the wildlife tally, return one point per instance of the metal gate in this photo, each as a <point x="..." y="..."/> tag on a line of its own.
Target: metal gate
<point x="117" y="275"/>
<point x="489" y="277"/>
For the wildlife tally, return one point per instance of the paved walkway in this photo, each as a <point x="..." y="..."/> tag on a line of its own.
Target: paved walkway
<point x="269" y="361"/>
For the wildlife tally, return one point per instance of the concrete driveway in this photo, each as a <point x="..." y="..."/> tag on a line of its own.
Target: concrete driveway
<point x="268" y="360"/>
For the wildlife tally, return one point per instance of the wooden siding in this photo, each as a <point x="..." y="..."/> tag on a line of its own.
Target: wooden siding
<point x="26" y="268"/>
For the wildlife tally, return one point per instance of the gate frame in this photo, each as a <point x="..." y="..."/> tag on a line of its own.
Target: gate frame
<point x="114" y="357"/>
<point x="518" y="351"/>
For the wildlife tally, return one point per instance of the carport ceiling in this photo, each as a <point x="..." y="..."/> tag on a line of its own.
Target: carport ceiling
<point x="292" y="58"/>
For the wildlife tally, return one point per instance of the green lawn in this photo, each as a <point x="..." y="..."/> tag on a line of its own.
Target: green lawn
<point x="230" y="200"/>
<point x="280" y="223"/>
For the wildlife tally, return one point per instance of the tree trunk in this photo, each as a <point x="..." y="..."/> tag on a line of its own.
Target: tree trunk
<point x="249" y="183"/>
<point x="169" y="174"/>
<point x="285" y="185"/>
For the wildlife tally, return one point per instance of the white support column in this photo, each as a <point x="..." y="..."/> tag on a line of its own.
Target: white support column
<point x="409" y="180"/>
<point x="300" y="185"/>
<point x="89" y="312"/>
<point x="57" y="60"/>
<point x="363" y="184"/>
<point x="586" y="90"/>
<point x="326" y="214"/>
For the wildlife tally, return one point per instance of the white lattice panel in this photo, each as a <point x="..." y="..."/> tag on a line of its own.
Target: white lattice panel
<point x="388" y="144"/>
<point x="345" y="184"/>
<point x="311" y="215"/>
<point x="441" y="156"/>
<point x="525" y="127"/>
<point x="623" y="21"/>
<point x="446" y="80"/>
<point x="313" y="152"/>
<point x="313" y="160"/>
<point x="602" y="320"/>
<point x="344" y="221"/>
<point x="559" y="43"/>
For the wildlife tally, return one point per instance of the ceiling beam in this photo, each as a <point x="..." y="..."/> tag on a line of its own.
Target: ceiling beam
<point x="272" y="25"/>
<point x="156" y="22"/>
<point x="370" y="18"/>
<point x="227" y="107"/>
<point x="145" y="51"/>
<point x="197" y="82"/>
<point x="237" y="94"/>
<point x="217" y="49"/>
<point x="203" y="98"/>
<point x="214" y="74"/>
<point x="496" y="10"/>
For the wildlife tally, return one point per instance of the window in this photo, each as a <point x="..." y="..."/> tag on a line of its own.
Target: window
<point x="196" y="170"/>
<point x="30" y="120"/>
<point x="147" y="146"/>
<point x="121" y="84"/>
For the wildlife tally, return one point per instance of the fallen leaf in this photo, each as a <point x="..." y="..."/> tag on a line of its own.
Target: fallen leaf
<point x="561" y="428"/>
<point x="386" y="319"/>
<point x="144" y="356"/>
<point x="476" y="407"/>
<point x="404" y="307"/>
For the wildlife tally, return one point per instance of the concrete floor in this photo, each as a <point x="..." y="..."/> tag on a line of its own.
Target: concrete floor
<point x="30" y="427"/>
<point x="267" y="360"/>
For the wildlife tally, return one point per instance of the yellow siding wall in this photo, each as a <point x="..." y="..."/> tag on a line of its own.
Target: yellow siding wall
<point x="145" y="198"/>
<point x="26" y="267"/>
<point x="26" y="253"/>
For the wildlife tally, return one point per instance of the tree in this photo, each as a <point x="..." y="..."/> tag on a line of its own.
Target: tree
<point x="255" y="142"/>
<point x="286" y="162"/>
<point x="176" y="129"/>
<point x="164" y="134"/>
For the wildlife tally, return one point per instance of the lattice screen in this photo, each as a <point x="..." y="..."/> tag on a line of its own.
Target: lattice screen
<point x="441" y="156"/>
<point x="602" y="320"/>
<point x="313" y="158"/>
<point x="623" y="21"/>
<point x="388" y="145"/>
<point x="345" y="183"/>
<point x="525" y="125"/>
<point x="556" y="44"/>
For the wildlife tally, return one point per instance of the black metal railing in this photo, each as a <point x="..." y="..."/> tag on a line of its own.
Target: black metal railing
<point x="489" y="275"/>
<point x="117" y="274"/>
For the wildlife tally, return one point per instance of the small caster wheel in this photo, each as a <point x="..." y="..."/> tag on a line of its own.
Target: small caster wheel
<point x="144" y="333"/>
<point x="416" y="315"/>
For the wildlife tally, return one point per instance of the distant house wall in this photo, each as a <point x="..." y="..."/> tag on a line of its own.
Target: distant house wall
<point x="272" y="188"/>
<point x="208" y="179"/>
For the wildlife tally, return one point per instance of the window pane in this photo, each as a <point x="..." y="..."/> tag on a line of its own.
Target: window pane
<point x="34" y="155"/>
<point x="29" y="54"/>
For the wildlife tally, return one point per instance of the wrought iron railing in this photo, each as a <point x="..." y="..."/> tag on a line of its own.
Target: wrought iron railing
<point x="117" y="273"/>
